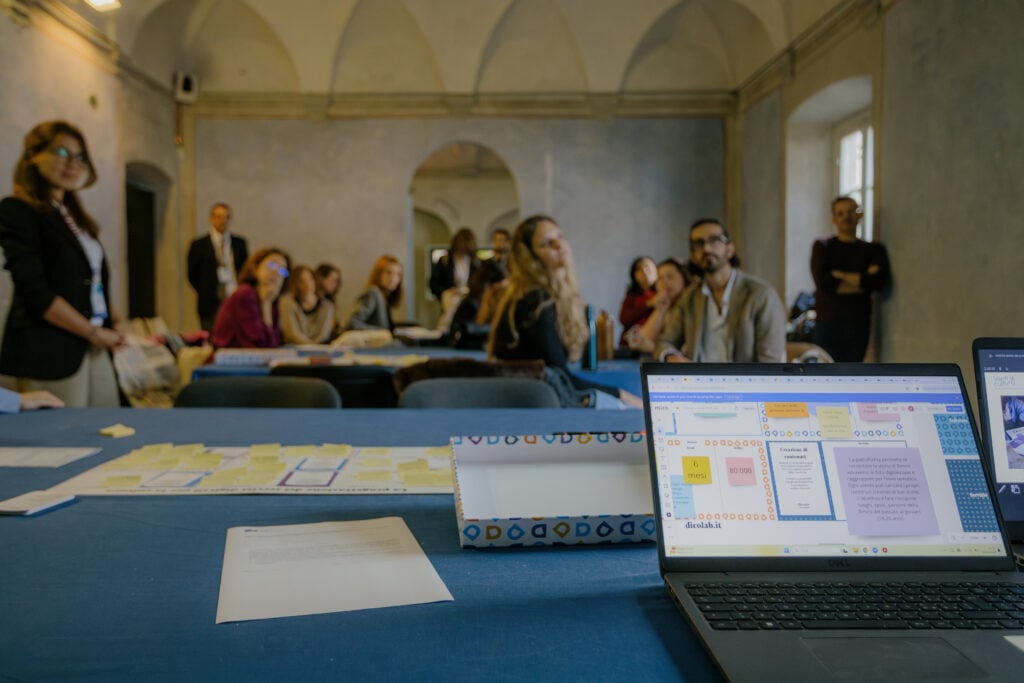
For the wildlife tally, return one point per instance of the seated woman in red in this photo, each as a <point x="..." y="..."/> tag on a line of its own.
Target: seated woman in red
<point x="249" y="318"/>
<point x="636" y="306"/>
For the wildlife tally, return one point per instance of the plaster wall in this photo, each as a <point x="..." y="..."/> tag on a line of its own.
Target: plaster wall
<point x="808" y="179"/>
<point x="951" y="173"/>
<point x="337" y="190"/>
<point x="761" y="244"/>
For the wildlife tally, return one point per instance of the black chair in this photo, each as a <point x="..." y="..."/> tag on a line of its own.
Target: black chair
<point x="258" y="392"/>
<point x="479" y="392"/>
<point x="360" y="386"/>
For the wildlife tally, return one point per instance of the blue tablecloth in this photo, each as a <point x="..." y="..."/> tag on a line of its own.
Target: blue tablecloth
<point x="125" y="588"/>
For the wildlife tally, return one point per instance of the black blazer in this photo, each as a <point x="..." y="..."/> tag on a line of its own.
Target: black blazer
<point x="46" y="260"/>
<point x="202" y="270"/>
<point x="442" y="273"/>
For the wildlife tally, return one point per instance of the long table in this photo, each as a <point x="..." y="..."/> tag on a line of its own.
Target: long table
<point x="125" y="588"/>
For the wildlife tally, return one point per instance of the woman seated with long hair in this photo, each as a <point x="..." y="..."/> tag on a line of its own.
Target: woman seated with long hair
<point x="541" y="313"/>
<point x="249" y="318"/>
<point x="383" y="292"/>
<point x="306" y="317"/>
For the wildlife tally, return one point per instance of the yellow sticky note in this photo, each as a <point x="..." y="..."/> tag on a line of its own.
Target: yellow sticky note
<point x="376" y="462"/>
<point x="438" y="450"/>
<point x="264" y="449"/>
<point x="153" y="449"/>
<point x="258" y="478"/>
<point x="334" y="450"/>
<point x="298" y="451"/>
<point x="117" y="431"/>
<point x="125" y="482"/>
<point x="834" y="422"/>
<point x="418" y="464"/>
<point x="266" y="466"/>
<point x="696" y="469"/>
<point x="223" y="477"/>
<point x="373" y="475"/>
<point x="161" y="463"/>
<point x="427" y="478"/>
<point x="188" y="449"/>
<point x="374" y="451"/>
<point x="785" y="409"/>
<point x="205" y="461"/>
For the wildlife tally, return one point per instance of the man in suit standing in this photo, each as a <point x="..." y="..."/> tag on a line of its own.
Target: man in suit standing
<point x="213" y="264"/>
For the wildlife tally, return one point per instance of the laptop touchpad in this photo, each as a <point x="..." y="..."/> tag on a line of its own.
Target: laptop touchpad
<point x="893" y="657"/>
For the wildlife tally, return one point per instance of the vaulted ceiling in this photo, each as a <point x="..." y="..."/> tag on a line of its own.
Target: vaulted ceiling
<point x="457" y="47"/>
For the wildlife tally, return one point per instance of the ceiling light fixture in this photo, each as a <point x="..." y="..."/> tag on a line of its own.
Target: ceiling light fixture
<point x="104" y="5"/>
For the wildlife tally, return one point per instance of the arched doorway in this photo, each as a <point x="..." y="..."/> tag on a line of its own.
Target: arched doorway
<point x="462" y="184"/>
<point x="146" y="196"/>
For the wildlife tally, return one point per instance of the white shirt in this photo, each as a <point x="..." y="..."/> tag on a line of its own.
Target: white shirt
<point x="714" y="338"/>
<point x="226" y="271"/>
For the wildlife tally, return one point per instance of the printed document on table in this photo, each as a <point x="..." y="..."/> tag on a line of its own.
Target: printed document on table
<point x="32" y="456"/>
<point x="287" y="571"/>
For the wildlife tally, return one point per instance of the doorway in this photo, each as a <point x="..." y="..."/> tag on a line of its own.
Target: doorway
<point x="461" y="184"/>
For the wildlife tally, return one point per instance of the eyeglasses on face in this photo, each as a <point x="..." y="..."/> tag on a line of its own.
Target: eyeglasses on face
<point x="711" y="241"/>
<point x="65" y="154"/>
<point x="278" y="268"/>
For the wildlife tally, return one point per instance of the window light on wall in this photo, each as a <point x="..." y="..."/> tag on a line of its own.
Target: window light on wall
<point x="103" y="5"/>
<point x="853" y="151"/>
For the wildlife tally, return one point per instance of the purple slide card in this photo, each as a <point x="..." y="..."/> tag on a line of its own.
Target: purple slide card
<point x="885" y="492"/>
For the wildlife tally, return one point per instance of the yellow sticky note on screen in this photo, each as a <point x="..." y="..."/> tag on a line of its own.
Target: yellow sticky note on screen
<point x="834" y="422"/>
<point x="785" y="409"/>
<point x="696" y="470"/>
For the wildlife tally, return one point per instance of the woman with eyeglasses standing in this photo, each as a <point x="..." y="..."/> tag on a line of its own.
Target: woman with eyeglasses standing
<point x="61" y="326"/>
<point x="249" y="318"/>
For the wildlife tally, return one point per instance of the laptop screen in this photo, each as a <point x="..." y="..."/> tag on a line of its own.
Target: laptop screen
<point x="1000" y="370"/>
<point x="758" y="461"/>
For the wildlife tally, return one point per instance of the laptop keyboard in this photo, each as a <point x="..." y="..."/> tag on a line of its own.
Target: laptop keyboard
<point x="925" y="605"/>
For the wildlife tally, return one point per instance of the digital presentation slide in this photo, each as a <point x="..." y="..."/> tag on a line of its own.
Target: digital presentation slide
<point x="885" y="492"/>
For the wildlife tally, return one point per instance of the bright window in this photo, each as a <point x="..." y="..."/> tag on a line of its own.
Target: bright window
<point x="853" y="151"/>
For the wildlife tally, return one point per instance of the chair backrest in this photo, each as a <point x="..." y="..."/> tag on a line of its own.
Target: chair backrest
<point x="467" y="367"/>
<point x="479" y="392"/>
<point x="258" y="392"/>
<point x="360" y="386"/>
<point x="806" y="352"/>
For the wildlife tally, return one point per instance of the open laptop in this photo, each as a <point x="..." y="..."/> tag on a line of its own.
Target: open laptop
<point x="999" y="372"/>
<point x="831" y="522"/>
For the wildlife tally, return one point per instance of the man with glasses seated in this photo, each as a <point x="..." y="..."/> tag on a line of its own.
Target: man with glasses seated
<point x="726" y="316"/>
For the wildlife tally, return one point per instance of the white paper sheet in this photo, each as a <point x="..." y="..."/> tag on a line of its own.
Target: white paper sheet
<point x="286" y="571"/>
<point x="30" y="456"/>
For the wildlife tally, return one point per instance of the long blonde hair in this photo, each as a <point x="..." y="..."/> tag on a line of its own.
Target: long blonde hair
<point x="526" y="274"/>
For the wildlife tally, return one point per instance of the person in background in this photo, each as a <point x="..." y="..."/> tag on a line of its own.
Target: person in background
<point x="636" y="306"/>
<point x="501" y="243"/>
<point x="472" y="318"/>
<point x="250" y="318"/>
<point x="846" y="271"/>
<point x="328" y="281"/>
<point x="383" y="292"/>
<point x="730" y="316"/>
<point x="62" y="325"/>
<point x="12" y="401"/>
<point x="214" y="262"/>
<point x="674" y="277"/>
<point x="449" y="277"/>
<point x="306" y="317"/>
<point x="541" y="312"/>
